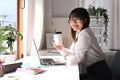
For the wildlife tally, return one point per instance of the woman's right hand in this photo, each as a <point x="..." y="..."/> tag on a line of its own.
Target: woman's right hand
<point x="57" y="47"/>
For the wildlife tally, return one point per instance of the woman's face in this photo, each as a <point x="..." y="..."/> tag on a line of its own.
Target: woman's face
<point x="76" y="24"/>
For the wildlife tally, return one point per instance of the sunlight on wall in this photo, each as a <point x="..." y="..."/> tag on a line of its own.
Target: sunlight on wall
<point x="38" y="26"/>
<point x="25" y="15"/>
<point x="33" y="26"/>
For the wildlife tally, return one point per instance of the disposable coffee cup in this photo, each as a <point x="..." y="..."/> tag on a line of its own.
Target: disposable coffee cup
<point x="57" y="37"/>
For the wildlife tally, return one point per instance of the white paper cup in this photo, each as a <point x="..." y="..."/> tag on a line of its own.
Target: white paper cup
<point x="57" y="37"/>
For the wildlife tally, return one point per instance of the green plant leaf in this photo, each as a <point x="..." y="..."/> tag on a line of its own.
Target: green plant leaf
<point x="100" y="12"/>
<point x="8" y="34"/>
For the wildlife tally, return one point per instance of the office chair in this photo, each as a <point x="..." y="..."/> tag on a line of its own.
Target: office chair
<point x="115" y="67"/>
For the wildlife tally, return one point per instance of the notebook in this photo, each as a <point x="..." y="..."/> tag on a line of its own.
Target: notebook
<point x="11" y="67"/>
<point x="47" y="61"/>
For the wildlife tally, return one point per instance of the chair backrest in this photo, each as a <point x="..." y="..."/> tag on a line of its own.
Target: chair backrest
<point x="115" y="67"/>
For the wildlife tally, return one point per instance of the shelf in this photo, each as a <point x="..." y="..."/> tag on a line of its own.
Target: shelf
<point x="97" y="27"/>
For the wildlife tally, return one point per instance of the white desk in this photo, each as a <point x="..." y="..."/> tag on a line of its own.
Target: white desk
<point x="52" y="73"/>
<point x="60" y="72"/>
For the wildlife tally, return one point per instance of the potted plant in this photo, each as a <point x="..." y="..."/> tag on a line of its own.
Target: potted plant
<point x="8" y="36"/>
<point x="100" y="12"/>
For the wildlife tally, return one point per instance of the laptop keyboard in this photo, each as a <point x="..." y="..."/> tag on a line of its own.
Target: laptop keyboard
<point x="47" y="61"/>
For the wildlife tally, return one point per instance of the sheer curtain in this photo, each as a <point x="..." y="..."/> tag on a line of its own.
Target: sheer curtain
<point x="34" y="27"/>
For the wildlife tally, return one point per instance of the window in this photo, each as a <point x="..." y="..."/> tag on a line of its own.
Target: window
<point x="10" y="11"/>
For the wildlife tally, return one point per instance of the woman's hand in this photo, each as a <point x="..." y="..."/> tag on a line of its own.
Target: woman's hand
<point x="57" y="47"/>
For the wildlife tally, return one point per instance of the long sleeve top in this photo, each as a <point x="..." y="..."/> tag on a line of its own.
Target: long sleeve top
<point x="86" y="50"/>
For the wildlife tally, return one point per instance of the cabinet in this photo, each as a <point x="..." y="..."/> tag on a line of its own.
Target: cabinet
<point x="97" y="27"/>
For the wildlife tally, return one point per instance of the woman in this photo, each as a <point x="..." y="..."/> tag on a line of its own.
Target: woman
<point x="85" y="49"/>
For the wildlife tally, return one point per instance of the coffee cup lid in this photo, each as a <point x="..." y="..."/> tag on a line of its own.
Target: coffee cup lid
<point x="59" y="32"/>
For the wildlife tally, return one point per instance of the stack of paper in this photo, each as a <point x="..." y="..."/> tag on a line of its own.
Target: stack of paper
<point x="30" y="70"/>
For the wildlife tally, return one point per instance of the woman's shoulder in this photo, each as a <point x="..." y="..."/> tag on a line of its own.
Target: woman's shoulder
<point x="86" y="31"/>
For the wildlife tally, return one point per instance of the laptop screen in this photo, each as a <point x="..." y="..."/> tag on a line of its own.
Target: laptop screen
<point x="43" y="61"/>
<point x="37" y="51"/>
<point x="47" y="61"/>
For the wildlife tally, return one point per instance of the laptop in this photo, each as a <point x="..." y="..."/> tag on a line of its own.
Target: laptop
<point x="47" y="61"/>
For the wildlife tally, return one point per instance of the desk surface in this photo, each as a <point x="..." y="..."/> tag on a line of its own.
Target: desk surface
<point x="60" y="72"/>
<point x="52" y="73"/>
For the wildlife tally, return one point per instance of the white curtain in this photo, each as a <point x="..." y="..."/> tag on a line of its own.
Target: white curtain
<point x="35" y="29"/>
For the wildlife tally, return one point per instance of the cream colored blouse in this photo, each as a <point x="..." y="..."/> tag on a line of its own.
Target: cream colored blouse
<point x="85" y="51"/>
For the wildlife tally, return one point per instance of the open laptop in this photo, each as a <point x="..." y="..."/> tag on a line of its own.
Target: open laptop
<point x="47" y="61"/>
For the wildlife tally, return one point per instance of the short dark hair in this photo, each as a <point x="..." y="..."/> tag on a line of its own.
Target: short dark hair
<point x="83" y="15"/>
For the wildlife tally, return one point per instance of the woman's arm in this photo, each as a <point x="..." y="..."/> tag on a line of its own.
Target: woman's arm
<point x="77" y="51"/>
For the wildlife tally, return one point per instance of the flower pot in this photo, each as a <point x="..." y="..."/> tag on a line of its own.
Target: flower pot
<point x="8" y="58"/>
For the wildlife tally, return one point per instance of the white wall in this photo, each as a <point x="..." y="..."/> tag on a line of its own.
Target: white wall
<point x="118" y="35"/>
<point x="62" y="8"/>
<point x="59" y="9"/>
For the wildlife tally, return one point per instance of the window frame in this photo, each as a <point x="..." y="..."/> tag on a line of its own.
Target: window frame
<point x="19" y="27"/>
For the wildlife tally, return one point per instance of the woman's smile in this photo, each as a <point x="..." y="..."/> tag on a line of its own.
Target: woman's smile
<point x="75" y="27"/>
